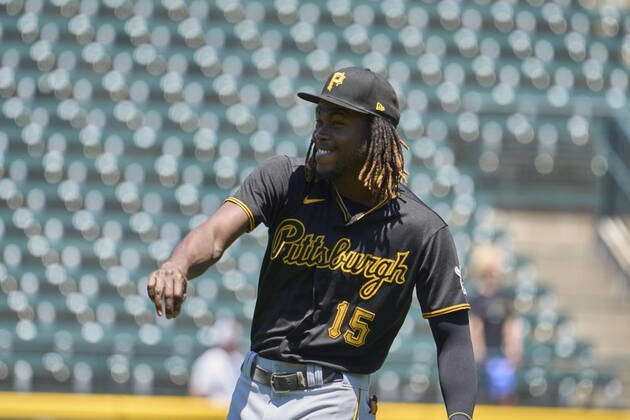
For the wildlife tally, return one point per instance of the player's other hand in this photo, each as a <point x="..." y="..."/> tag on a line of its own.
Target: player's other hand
<point x="167" y="289"/>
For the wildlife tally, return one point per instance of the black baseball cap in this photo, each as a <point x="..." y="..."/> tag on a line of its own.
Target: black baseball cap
<point x="360" y="90"/>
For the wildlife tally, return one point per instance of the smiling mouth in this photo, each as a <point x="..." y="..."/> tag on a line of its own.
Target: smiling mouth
<point x="323" y="153"/>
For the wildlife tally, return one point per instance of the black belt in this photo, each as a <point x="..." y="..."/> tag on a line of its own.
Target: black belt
<point x="285" y="382"/>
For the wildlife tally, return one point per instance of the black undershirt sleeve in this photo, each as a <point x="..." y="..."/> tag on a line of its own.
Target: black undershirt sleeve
<point x="456" y="363"/>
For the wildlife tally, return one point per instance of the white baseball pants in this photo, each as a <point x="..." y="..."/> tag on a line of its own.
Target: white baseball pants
<point x="346" y="398"/>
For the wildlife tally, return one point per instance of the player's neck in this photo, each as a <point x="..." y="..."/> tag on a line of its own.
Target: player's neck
<point x="353" y="189"/>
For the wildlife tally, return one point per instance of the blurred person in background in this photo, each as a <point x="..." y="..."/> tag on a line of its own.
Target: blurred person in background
<point x="497" y="332"/>
<point x="215" y="372"/>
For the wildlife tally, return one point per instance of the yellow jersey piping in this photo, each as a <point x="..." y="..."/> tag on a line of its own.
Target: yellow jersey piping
<point x="248" y="212"/>
<point x="346" y="213"/>
<point x="447" y="310"/>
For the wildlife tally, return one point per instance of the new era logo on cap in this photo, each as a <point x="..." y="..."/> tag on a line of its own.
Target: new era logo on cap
<point x="360" y="90"/>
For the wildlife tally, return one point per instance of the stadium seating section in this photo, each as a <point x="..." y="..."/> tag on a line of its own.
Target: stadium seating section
<point x="123" y="124"/>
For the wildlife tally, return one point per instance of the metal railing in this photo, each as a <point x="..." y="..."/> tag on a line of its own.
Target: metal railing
<point x="614" y="206"/>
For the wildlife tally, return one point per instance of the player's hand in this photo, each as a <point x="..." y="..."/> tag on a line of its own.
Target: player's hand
<point x="167" y="287"/>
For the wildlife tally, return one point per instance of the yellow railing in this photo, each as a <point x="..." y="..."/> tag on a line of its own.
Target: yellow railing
<point x="131" y="407"/>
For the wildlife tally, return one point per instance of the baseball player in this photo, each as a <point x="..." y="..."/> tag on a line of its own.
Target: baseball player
<point x="348" y="243"/>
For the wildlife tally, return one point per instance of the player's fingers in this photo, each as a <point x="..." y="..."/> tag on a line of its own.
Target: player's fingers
<point x="179" y="286"/>
<point x="151" y="286"/>
<point x="156" y="290"/>
<point x="179" y="294"/>
<point x="168" y="293"/>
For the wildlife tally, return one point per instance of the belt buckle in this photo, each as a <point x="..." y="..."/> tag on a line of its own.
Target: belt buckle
<point x="272" y="380"/>
<point x="301" y="381"/>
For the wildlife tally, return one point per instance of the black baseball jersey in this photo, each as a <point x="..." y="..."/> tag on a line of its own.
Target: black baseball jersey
<point x="494" y="310"/>
<point x="337" y="277"/>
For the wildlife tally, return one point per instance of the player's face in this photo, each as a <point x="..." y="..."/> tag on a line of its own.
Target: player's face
<point x="340" y="138"/>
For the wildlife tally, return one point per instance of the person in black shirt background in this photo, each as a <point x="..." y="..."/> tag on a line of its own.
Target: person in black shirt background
<point x="496" y="329"/>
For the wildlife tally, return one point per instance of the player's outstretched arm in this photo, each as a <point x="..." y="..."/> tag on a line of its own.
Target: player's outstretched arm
<point x="456" y="363"/>
<point x="200" y="248"/>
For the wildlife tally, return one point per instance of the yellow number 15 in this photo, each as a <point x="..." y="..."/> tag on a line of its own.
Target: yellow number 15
<point x="358" y="330"/>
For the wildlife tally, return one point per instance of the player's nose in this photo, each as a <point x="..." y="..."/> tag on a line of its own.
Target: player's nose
<point x="322" y="135"/>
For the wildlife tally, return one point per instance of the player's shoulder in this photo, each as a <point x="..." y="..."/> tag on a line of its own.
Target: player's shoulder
<point x="295" y="162"/>
<point x="417" y="213"/>
<point x="284" y="172"/>
<point x="280" y="169"/>
<point x="283" y="163"/>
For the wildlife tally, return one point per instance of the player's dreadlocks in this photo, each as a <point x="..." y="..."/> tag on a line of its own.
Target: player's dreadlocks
<point x="383" y="169"/>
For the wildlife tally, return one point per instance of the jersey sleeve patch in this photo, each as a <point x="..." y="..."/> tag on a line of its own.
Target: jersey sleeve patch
<point x="248" y="212"/>
<point x="445" y="311"/>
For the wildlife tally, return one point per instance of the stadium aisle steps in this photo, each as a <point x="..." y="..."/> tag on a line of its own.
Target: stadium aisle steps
<point x="563" y="247"/>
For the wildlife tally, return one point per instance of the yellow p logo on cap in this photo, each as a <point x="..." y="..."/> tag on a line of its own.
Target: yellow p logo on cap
<point x="380" y="107"/>
<point x="336" y="79"/>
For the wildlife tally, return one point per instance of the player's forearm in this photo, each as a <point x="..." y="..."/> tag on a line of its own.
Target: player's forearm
<point x="458" y="380"/>
<point x="196" y="252"/>
<point x="456" y="364"/>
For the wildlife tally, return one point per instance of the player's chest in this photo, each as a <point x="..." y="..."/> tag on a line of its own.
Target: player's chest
<point x="363" y="258"/>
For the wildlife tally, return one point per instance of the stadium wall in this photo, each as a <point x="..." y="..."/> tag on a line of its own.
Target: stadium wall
<point x="131" y="407"/>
